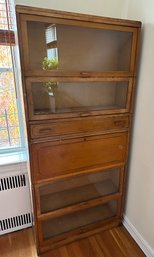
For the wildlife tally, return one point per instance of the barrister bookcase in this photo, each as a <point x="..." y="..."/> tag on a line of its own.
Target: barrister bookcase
<point x="78" y="76"/>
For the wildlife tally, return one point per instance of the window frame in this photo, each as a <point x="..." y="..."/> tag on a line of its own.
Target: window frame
<point x="9" y="38"/>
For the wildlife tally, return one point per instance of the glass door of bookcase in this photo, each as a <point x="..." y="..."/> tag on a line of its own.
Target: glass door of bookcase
<point x="57" y="98"/>
<point x="81" y="219"/>
<point x="76" y="190"/>
<point x="70" y="46"/>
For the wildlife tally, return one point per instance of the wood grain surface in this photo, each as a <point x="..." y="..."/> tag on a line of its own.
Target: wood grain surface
<point x="113" y="243"/>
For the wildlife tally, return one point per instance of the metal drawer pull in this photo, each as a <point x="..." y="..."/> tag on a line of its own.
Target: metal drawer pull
<point x="120" y="147"/>
<point x="119" y="122"/>
<point x="45" y="130"/>
<point x="85" y="74"/>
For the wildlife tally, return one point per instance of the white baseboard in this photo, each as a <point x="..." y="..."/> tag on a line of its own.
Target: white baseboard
<point x="149" y="252"/>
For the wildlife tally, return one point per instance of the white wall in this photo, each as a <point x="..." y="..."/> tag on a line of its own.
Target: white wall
<point x="111" y="8"/>
<point x="140" y="197"/>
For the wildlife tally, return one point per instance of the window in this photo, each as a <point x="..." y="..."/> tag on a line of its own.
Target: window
<point x="11" y="138"/>
<point x="51" y="41"/>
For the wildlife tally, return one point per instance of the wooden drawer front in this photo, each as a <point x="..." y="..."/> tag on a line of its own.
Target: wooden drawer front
<point x="59" y="158"/>
<point x="77" y="190"/>
<point x="82" y="125"/>
<point x="70" y="224"/>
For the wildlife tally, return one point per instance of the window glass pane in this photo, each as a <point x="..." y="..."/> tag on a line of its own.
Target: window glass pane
<point x="5" y="57"/>
<point x="9" y="124"/>
<point x="6" y="14"/>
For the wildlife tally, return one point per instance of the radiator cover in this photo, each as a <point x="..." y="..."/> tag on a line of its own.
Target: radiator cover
<point x="15" y="203"/>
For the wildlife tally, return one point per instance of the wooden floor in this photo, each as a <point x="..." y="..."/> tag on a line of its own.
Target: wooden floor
<point x="113" y="243"/>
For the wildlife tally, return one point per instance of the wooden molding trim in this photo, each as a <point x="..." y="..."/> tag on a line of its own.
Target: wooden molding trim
<point x="21" y="9"/>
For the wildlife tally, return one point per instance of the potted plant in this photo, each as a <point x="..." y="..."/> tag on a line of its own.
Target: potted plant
<point x="50" y="64"/>
<point x="50" y="86"/>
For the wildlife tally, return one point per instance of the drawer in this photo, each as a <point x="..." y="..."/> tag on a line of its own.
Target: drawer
<point x="60" y="158"/>
<point x="67" y="226"/>
<point x="81" y="125"/>
<point x="76" y="190"/>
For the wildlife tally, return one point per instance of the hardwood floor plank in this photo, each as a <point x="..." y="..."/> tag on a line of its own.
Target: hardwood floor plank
<point x="116" y="242"/>
<point x="119" y="242"/>
<point x="74" y="249"/>
<point x="18" y="244"/>
<point x="87" y="248"/>
<point x="108" y="245"/>
<point x="63" y="252"/>
<point x="95" y="245"/>
<point x="127" y="242"/>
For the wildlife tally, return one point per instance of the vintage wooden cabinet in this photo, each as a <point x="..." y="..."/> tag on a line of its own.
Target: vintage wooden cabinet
<point x="79" y="76"/>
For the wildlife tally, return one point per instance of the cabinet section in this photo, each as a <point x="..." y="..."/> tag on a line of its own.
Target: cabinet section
<point x="78" y="189"/>
<point x="80" y="219"/>
<point x="63" y="98"/>
<point x="76" y="46"/>
<point x="84" y="125"/>
<point x="54" y="159"/>
<point x="69" y="47"/>
<point x="79" y="75"/>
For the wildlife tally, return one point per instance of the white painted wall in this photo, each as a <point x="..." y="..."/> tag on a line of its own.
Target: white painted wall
<point x="111" y="8"/>
<point x="140" y="195"/>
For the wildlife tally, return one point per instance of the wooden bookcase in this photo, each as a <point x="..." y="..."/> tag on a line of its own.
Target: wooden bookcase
<point x="79" y="76"/>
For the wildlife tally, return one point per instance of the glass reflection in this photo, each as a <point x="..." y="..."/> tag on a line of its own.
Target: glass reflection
<point x="51" y="61"/>
<point x="62" y="97"/>
<point x="73" y="48"/>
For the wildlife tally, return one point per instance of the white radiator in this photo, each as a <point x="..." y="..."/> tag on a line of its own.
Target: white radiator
<point x="15" y="204"/>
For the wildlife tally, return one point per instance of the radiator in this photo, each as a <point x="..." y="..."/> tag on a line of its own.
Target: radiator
<point x="15" y="203"/>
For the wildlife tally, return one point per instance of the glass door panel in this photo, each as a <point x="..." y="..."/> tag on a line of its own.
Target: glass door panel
<point x="64" y="224"/>
<point x="66" y="47"/>
<point x="78" y="189"/>
<point x="65" y="97"/>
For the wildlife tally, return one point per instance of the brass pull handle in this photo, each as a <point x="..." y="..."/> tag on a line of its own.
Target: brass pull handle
<point x="45" y="130"/>
<point x="85" y="74"/>
<point x="85" y="114"/>
<point x="119" y="123"/>
<point x="120" y="147"/>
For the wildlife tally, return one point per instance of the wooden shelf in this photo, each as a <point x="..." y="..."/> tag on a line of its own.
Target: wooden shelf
<point x="77" y="109"/>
